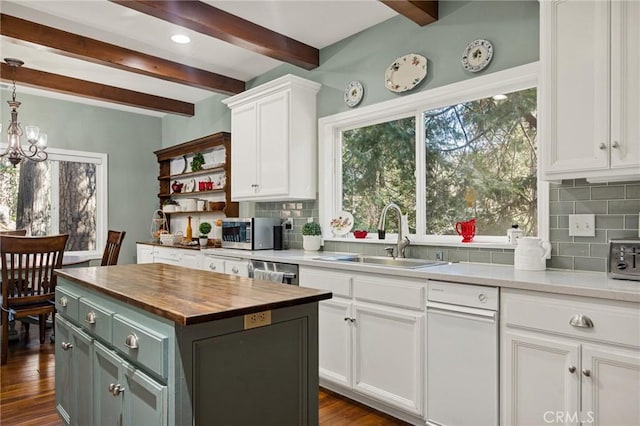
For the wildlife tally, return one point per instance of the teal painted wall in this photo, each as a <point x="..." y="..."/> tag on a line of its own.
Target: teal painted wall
<point x="129" y="141"/>
<point x="512" y="27"/>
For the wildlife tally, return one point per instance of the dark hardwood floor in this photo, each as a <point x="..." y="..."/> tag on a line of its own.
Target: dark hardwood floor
<point x="27" y="391"/>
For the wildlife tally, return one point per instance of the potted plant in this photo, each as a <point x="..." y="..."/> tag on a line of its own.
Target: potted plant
<point x="170" y="205"/>
<point x="311" y="236"/>
<point x="204" y="228"/>
<point x="197" y="162"/>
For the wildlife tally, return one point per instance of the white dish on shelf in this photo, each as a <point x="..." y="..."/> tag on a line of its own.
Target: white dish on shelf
<point x="341" y="224"/>
<point x="190" y="186"/>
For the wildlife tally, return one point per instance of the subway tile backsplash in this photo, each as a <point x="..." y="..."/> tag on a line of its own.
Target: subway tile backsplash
<point x="616" y="207"/>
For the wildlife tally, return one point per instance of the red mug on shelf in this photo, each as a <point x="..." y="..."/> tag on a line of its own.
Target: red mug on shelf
<point x="467" y="230"/>
<point x="209" y="185"/>
<point x="202" y="186"/>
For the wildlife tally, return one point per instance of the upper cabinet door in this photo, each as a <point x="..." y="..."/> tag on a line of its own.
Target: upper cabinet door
<point x="590" y="90"/>
<point x="574" y="88"/>
<point x="625" y="84"/>
<point x="274" y="133"/>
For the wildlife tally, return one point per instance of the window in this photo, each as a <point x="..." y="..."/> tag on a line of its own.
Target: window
<point x="65" y="194"/>
<point x="443" y="155"/>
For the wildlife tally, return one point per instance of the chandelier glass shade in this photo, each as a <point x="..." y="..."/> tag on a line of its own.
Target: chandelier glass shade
<point x="15" y="152"/>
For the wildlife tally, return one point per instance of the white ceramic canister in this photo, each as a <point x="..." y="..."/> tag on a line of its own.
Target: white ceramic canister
<point x="531" y="254"/>
<point x="513" y="234"/>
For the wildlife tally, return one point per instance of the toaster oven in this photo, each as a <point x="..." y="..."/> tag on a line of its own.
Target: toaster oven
<point x="624" y="259"/>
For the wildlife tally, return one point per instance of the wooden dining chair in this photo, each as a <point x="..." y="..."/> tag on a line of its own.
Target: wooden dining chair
<point x="28" y="282"/>
<point x="112" y="249"/>
<point x="16" y="233"/>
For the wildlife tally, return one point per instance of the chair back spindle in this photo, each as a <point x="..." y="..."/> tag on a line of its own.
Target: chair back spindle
<point x="112" y="249"/>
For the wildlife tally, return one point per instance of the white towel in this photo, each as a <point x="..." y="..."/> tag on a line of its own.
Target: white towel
<point x="261" y="274"/>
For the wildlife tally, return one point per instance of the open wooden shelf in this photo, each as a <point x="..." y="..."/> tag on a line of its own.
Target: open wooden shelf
<point x="192" y="194"/>
<point x="192" y="174"/>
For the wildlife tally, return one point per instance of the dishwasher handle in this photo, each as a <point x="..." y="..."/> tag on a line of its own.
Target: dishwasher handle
<point x="464" y="310"/>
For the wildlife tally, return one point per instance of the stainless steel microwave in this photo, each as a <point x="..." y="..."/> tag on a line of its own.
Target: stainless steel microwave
<point x="251" y="233"/>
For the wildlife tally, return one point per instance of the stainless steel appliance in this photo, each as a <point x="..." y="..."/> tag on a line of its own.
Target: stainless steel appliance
<point x="286" y="273"/>
<point x="624" y="259"/>
<point x="462" y="354"/>
<point x="251" y="233"/>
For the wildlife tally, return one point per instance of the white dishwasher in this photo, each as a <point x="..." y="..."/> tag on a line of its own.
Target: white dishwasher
<point x="462" y="354"/>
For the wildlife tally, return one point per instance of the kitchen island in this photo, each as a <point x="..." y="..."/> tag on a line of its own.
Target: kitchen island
<point x="159" y="344"/>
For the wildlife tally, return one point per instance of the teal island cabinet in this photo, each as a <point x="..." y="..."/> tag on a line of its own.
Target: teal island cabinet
<point x="157" y="344"/>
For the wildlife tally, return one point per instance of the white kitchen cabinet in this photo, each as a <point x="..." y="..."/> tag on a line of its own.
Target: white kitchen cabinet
<point x="589" y="90"/>
<point x="144" y="253"/>
<point x="371" y="337"/>
<point x="555" y="372"/>
<point x="274" y="136"/>
<point x="171" y="256"/>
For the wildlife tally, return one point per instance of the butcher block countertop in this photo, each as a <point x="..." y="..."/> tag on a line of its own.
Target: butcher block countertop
<point x="188" y="296"/>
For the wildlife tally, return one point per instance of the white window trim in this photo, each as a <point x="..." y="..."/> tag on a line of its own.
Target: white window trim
<point x="102" y="181"/>
<point x="330" y="129"/>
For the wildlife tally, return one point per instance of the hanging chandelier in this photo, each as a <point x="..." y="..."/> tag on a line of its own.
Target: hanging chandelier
<point x="37" y="141"/>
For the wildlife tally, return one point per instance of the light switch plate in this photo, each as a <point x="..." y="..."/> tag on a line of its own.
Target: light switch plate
<point x="582" y="225"/>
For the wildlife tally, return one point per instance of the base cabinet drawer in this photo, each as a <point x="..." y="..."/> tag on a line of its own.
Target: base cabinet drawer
<point x="67" y="303"/>
<point x="96" y="319"/>
<point x="140" y="345"/>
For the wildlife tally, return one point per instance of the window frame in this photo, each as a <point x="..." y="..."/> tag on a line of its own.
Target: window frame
<point x="330" y="130"/>
<point x="102" y="193"/>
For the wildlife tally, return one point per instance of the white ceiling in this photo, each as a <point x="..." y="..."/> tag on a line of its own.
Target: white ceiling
<point x="313" y="22"/>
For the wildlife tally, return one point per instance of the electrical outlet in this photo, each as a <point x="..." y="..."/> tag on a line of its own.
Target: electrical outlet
<point x="258" y="319"/>
<point x="582" y="225"/>
<point x="439" y="255"/>
<point x="287" y="223"/>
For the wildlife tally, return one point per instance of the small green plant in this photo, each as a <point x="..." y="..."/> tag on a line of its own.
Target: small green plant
<point x="170" y="202"/>
<point x="204" y="228"/>
<point x="197" y="162"/>
<point x="311" y="228"/>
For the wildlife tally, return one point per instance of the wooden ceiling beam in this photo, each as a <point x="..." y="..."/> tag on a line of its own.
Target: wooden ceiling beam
<point x="89" y="89"/>
<point x="98" y="52"/>
<point x="214" y="22"/>
<point x="422" y="12"/>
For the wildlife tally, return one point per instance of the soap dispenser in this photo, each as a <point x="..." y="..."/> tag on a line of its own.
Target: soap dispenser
<point x="513" y="234"/>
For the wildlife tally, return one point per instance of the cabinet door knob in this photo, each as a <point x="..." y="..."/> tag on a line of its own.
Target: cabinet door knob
<point x="116" y="389"/>
<point x="90" y="318"/>
<point x="615" y="145"/>
<point x="581" y="321"/>
<point x="64" y="301"/>
<point x="66" y="346"/>
<point x="572" y="369"/>
<point x="602" y="146"/>
<point x="235" y="270"/>
<point x="131" y="341"/>
<point x="586" y="373"/>
<point x="352" y="320"/>
<point x="212" y="266"/>
<point x="347" y="319"/>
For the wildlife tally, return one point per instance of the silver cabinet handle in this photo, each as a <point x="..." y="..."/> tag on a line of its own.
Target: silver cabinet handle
<point x="212" y="266"/>
<point x="254" y="185"/>
<point x="116" y="389"/>
<point x="66" y="346"/>
<point x="64" y="301"/>
<point x="602" y="146"/>
<point x="352" y="320"/>
<point x="581" y="321"/>
<point x="572" y="369"/>
<point x="90" y="318"/>
<point x="235" y="269"/>
<point x="586" y="373"/>
<point x="615" y="145"/>
<point x="131" y="341"/>
<point x="347" y="318"/>
<point x="482" y="297"/>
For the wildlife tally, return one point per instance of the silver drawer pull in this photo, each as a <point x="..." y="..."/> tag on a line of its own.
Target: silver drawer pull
<point x="64" y="301"/>
<point x="572" y="369"/>
<point x="116" y="389"/>
<point x="581" y="321"/>
<point x="90" y="317"/>
<point x="66" y="346"/>
<point x="602" y="146"/>
<point x="235" y="269"/>
<point x="586" y="373"/>
<point x="212" y="266"/>
<point x="131" y="341"/>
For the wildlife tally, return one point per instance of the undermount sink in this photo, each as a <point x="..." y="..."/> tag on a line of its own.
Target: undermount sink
<point x="397" y="262"/>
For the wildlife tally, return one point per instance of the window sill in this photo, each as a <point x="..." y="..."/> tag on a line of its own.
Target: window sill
<point x="444" y="241"/>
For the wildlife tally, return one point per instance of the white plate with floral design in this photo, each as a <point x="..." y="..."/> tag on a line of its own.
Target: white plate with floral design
<point x="342" y="224"/>
<point x="405" y="73"/>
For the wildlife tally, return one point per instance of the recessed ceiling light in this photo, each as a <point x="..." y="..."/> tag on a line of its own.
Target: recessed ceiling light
<point x="499" y="97"/>
<point x="180" y="39"/>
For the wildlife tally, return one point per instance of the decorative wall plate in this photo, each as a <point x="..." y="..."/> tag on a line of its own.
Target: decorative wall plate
<point x="353" y="93"/>
<point x="405" y="72"/>
<point x="477" y="55"/>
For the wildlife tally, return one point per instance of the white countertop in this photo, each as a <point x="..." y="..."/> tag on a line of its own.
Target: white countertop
<point x="578" y="283"/>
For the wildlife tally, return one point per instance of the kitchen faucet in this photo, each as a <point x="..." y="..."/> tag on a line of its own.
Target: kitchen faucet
<point x="403" y="240"/>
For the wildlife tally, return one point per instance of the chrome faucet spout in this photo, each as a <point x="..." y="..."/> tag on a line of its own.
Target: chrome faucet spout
<point x="403" y="240"/>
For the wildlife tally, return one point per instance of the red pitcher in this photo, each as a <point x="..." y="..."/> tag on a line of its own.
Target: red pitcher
<point x="467" y="230"/>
